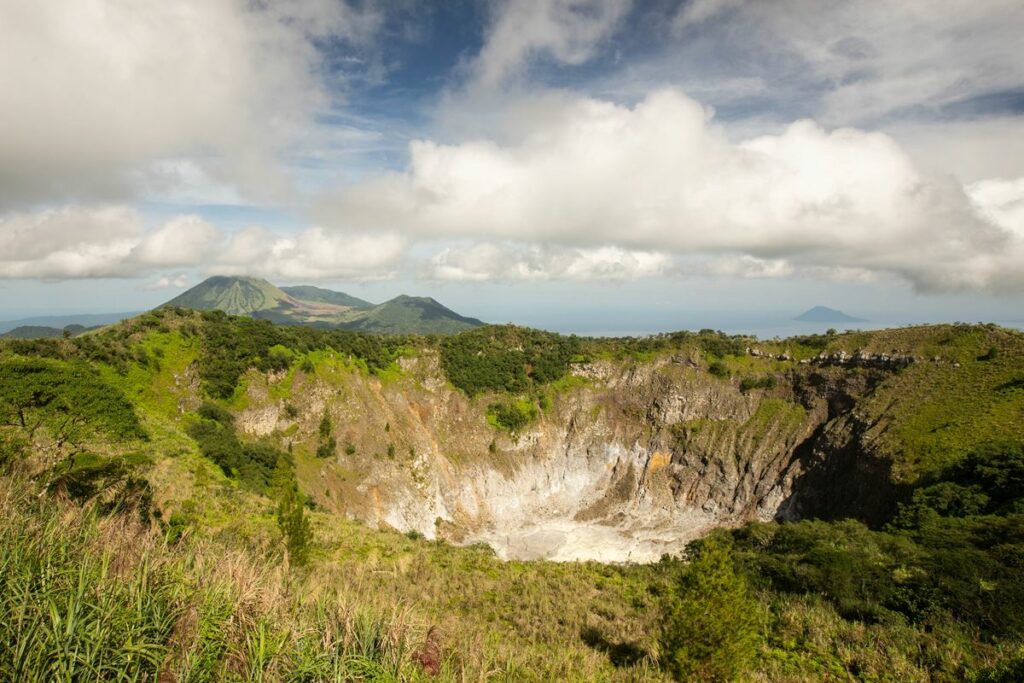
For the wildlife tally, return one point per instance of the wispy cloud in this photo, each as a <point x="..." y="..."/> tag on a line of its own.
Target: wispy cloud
<point x="564" y="31"/>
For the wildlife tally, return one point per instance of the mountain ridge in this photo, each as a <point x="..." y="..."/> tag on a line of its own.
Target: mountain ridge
<point x="310" y="305"/>
<point x="327" y="296"/>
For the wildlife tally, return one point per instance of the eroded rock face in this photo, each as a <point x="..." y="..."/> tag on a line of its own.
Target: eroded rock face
<point x="642" y="459"/>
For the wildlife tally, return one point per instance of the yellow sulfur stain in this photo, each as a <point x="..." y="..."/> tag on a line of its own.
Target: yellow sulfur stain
<point x="659" y="460"/>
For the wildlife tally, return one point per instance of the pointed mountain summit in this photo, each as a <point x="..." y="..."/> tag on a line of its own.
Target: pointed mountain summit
<point x="305" y="304"/>
<point x="233" y="295"/>
<point x="824" y="314"/>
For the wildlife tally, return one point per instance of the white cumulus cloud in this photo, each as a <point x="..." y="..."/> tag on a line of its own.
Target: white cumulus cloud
<point x="69" y="242"/>
<point x="115" y="241"/>
<point x="181" y="241"/>
<point x="312" y="254"/>
<point x="661" y="176"/>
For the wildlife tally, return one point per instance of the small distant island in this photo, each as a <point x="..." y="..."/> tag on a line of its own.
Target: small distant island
<point x="824" y="314"/>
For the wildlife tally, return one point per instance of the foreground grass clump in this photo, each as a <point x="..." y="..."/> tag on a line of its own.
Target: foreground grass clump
<point x="88" y="597"/>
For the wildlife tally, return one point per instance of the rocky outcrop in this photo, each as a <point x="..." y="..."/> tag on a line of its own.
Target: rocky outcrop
<point x="859" y="358"/>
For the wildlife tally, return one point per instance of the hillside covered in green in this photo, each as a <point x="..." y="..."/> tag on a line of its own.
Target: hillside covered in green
<point x="149" y="533"/>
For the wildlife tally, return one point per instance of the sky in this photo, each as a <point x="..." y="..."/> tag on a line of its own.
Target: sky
<point x="590" y="166"/>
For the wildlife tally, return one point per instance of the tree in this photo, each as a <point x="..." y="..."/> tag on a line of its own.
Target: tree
<point x="327" y="444"/>
<point x="291" y="515"/>
<point x="712" y="626"/>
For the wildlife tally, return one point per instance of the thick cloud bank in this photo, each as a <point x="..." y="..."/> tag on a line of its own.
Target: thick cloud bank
<point x="661" y="177"/>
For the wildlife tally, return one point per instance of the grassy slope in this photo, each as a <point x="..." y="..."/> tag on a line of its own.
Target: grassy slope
<point x="933" y="413"/>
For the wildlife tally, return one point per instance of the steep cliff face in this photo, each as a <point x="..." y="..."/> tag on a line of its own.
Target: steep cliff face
<point x="626" y="461"/>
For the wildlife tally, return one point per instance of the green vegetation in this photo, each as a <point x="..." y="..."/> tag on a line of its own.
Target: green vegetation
<point x="233" y="345"/>
<point x="327" y="444"/>
<point x="113" y="483"/>
<point x="254" y="464"/>
<point x="146" y="537"/>
<point x="41" y="331"/>
<point x="712" y="624"/>
<point x="951" y="552"/>
<point x="408" y="314"/>
<point x="321" y="307"/>
<point x="719" y="369"/>
<point x="88" y="597"/>
<point x="65" y="399"/>
<point x="506" y="358"/>
<point x="512" y="415"/>
<point x="291" y="514"/>
<point x="751" y="383"/>
<point x="935" y="413"/>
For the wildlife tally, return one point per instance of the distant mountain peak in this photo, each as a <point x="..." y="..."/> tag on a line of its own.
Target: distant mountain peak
<point x="237" y="295"/>
<point x="824" y="314"/>
<point x="407" y="298"/>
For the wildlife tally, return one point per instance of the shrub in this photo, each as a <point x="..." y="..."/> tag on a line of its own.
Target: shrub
<point x="1009" y="671"/>
<point x="720" y="344"/>
<point x="212" y="411"/>
<point x="325" y="449"/>
<point x="86" y="475"/>
<point x="12" y="449"/>
<point x="749" y="383"/>
<point x="953" y="548"/>
<point x="718" y="369"/>
<point x="278" y="358"/>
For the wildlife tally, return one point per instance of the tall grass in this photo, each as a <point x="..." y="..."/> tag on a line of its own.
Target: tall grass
<point x="85" y="597"/>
